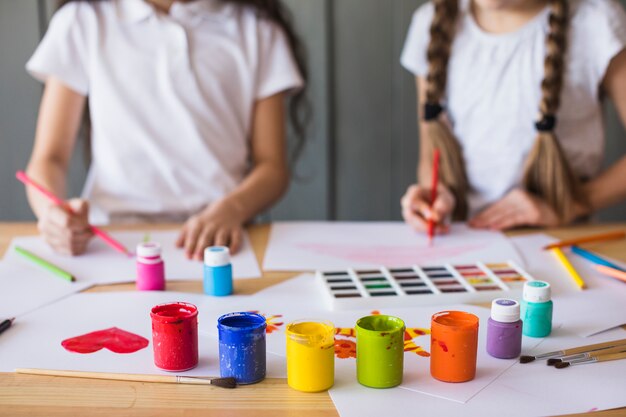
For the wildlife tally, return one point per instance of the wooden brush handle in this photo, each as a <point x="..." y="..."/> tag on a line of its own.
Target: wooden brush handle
<point x="583" y="349"/>
<point x="614" y="349"/>
<point x="611" y="357"/>
<point x="167" y="379"/>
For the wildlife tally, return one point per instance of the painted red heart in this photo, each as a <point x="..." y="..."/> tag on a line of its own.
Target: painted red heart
<point x="114" y="339"/>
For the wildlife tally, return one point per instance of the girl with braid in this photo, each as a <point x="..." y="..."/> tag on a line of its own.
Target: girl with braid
<point x="187" y="109"/>
<point x="511" y="93"/>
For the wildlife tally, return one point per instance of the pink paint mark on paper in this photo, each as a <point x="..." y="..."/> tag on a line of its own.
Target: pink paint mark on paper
<point x="388" y="255"/>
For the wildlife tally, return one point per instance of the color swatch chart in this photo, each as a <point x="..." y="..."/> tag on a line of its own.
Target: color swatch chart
<point x="428" y="285"/>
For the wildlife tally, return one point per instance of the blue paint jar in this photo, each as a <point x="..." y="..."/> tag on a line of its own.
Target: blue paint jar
<point x="218" y="272"/>
<point x="537" y="309"/>
<point x="242" y="347"/>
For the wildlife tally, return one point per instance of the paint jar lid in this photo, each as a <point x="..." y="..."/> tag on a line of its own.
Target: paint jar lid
<point x="148" y="250"/>
<point x="537" y="291"/>
<point x="505" y="310"/>
<point x="217" y="256"/>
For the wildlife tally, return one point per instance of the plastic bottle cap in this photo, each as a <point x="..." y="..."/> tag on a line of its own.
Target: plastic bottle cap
<point x="505" y="310"/>
<point x="216" y="256"/>
<point x="148" y="250"/>
<point x="537" y="291"/>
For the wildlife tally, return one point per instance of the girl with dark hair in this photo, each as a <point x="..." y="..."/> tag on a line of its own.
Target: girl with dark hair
<point x="186" y="104"/>
<point x="494" y="78"/>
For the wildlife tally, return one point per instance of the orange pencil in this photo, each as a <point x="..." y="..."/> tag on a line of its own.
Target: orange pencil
<point x="433" y="195"/>
<point x="21" y="175"/>
<point x="586" y="239"/>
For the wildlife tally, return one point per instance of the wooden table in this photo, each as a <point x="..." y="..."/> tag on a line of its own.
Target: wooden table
<point x="25" y="395"/>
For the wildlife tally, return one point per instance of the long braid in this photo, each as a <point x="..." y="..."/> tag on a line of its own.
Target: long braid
<point x="547" y="172"/>
<point x="438" y="134"/>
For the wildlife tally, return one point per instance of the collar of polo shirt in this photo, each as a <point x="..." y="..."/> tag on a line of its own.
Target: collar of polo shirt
<point x="133" y="11"/>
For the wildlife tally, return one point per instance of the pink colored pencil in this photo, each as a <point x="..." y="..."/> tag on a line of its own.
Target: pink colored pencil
<point x="612" y="272"/>
<point x="433" y="195"/>
<point x="21" y="175"/>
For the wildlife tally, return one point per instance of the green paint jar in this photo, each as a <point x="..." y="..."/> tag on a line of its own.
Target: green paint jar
<point x="380" y="351"/>
<point x="536" y="309"/>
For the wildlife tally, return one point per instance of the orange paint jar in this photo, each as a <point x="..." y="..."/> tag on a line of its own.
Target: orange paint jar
<point x="453" y="346"/>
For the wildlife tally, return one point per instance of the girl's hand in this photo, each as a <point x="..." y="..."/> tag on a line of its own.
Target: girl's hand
<point x="517" y="208"/>
<point x="417" y="211"/>
<point x="67" y="233"/>
<point x="216" y="225"/>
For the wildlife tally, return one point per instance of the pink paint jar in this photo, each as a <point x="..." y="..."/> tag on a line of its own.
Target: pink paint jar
<point x="175" y="336"/>
<point x="150" y="267"/>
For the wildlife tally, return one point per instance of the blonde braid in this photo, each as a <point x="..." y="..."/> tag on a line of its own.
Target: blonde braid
<point x="547" y="173"/>
<point x="437" y="133"/>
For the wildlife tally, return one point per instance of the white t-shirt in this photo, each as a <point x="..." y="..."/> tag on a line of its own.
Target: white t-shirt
<point x="493" y="91"/>
<point x="171" y="98"/>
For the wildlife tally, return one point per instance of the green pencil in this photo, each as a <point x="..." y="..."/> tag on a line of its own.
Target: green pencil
<point x="45" y="264"/>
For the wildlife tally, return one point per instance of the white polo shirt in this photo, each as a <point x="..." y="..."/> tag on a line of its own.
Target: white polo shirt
<point x="493" y="91"/>
<point x="171" y="98"/>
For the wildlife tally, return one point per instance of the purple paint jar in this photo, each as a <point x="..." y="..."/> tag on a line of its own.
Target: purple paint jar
<point x="150" y="267"/>
<point x="504" y="329"/>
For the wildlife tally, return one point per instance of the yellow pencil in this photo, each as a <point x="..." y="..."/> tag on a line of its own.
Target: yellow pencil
<point x="570" y="268"/>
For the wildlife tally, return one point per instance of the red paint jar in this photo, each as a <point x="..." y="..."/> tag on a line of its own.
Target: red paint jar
<point x="175" y="336"/>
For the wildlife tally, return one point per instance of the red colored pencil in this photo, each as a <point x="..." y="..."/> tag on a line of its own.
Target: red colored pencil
<point x="433" y="195"/>
<point x="21" y="175"/>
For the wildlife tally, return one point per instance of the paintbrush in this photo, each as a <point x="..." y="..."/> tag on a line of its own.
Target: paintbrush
<point x="166" y="379"/>
<point x="592" y="359"/>
<point x="573" y="351"/>
<point x="586" y="355"/>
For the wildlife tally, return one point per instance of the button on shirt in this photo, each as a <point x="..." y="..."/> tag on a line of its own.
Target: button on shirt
<point x="493" y="91"/>
<point x="171" y="98"/>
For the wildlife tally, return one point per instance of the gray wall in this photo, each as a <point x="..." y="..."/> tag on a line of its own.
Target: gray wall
<point x="362" y="147"/>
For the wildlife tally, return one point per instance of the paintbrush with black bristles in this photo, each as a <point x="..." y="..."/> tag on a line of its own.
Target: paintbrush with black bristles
<point x="167" y="379"/>
<point x="592" y="359"/>
<point x="573" y="351"/>
<point x="586" y="355"/>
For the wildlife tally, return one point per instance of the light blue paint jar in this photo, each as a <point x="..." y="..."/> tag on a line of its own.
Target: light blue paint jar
<point x="536" y="309"/>
<point x="218" y="272"/>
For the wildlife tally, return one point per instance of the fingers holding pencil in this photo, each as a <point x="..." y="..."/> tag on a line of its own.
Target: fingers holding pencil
<point x="417" y="209"/>
<point x="67" y="231"/>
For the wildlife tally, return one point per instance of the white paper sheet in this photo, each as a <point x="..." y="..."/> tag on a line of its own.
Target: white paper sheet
<point x="309" y="246"/>
<point x="35" y="340"/>
<point x="600" y="307"/>
<point x="103" y="265"/>
<point x="25" y="287"/>
<point x="299" y="299"/>
<point x="522" y="391"/>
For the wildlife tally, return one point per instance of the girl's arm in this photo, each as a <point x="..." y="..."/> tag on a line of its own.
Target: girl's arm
<point x="609" y="187"/>
<point x="416" y="207"/>
<point x="222" y="223"/>
<point x="60" y="113"/>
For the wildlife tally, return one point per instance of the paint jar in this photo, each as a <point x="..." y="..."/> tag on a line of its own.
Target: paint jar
<point x="504" y="329"/>
<point x="218" y="272"/>
<point x="453" y="346"/>
<point x="242" y="347"/>
<point x="150" y="267"/>
<point x="310" y="355"/>
<point x="379" y="351"/>
<point x="175" y="336"/>
<point x="537" y="309"/>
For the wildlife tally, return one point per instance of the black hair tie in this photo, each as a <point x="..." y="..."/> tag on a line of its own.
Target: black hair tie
<point x="432" y="111"/>
<point x="546" y="124"/>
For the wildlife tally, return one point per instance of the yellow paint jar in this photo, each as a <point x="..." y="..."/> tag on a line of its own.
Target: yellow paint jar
<point x="310" y="355"/>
